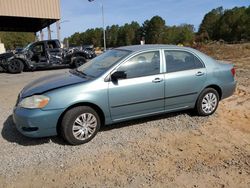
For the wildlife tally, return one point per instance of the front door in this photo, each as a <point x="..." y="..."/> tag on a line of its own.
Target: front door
<point x="142" y="91"/>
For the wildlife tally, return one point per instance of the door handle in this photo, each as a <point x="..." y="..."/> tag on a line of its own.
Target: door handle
<point x="157" y="80"/>
<point x="199" y="73"/>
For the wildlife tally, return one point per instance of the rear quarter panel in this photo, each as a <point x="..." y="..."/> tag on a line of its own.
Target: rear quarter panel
<point x="219" y="74"/>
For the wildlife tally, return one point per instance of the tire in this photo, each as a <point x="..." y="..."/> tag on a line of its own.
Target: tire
<point x="15" y="66"/>
<point x="73" y="119"/>
<point x="207" y="102"/>
<point x="79" y="61"/>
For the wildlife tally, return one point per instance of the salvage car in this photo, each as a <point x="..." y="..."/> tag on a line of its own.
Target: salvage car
<point x="88" y="53"/>
<point x="122" y="84"/>
<point x="41" y="54"/>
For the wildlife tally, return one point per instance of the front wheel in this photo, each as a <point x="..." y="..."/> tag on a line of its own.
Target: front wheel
<point x="15" y="66"/>
<point x="80" y="125"/>
<point x="207" y="102"/>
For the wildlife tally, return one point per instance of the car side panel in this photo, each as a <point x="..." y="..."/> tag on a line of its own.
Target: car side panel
<point x="95" y="92"/>
<point x="136" y="96"/>
<point x="219" y="74"/>
<point x="182" y="88"/>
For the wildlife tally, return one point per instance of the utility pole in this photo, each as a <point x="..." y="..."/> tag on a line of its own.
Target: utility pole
<point x="41" y="35"/>
<point x="49" y="33"/>
<point x="104" y="32"/>
<point x="58" y="28"/>
<point x="103" y="26"/>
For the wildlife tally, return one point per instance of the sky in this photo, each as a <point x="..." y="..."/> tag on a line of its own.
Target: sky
<point x="80" y="15"/>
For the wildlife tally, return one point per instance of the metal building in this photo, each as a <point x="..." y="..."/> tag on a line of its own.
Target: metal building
<point x="28" y="15"/>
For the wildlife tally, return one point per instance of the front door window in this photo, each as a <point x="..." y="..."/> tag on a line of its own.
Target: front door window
<point x="144" y="64"/>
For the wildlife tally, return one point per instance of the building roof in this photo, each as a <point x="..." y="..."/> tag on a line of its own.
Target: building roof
<point x="28" y="15"/>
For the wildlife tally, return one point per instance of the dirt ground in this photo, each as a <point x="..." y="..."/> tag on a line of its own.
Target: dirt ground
<point x="174" y="150"/>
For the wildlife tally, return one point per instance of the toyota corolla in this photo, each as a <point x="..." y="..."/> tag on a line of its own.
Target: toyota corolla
<point x="122" y="84"/>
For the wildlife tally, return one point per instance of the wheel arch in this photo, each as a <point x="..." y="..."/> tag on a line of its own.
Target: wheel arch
<point x="26" y="65"/>
<point x="94" y="106"/>
<point x="217" y="88"/>
<point x="73" y="61"/>
<point x="79" y="54"/>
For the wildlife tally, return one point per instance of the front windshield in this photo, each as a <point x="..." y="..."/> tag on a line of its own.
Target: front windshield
<point x="99" y="65"/>
<point x="27" y="47"/>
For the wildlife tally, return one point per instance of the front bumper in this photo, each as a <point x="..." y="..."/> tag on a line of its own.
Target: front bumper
<point x="36" y="122"/>
<point x="3" y="65"/>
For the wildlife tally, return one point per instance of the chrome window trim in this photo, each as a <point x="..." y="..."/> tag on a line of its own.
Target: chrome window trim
<point x="182" y="50"/>
<point x="106" y="76"/>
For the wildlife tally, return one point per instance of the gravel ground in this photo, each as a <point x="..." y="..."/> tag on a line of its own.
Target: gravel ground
<point x="172" y="150"/>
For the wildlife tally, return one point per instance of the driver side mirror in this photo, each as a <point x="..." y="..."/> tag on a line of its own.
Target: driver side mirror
<point x="118" y="75"/>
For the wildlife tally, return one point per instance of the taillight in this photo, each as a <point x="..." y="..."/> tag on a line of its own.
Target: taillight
<point x="233" y="71"/>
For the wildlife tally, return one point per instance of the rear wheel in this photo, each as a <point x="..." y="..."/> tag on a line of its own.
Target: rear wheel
<point x="80" y="125"/>
<point x="207" y="102"/>
<point x="79" y="61"/>
<point x="15" y="66"/>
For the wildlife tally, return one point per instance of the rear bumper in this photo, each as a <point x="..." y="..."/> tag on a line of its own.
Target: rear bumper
<point x="228" y="89"/>
<point x="36" y="122"/>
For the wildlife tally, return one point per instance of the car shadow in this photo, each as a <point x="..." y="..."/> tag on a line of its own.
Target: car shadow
<point x="128" y="123"/>
<point x="11" y="134"/>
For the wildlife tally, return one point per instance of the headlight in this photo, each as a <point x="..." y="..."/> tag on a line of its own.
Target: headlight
<point x="35" y="101"/>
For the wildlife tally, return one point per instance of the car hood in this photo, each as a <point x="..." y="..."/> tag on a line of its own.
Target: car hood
<point x="6" y="55"/>
<point x="51" y="82"/>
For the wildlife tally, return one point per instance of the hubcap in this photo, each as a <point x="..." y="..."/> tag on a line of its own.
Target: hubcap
<point x="14" y="65"/>
<point x="84" y="126"/>
<point x="209" y="103"/>
<point x="79" y="63"/>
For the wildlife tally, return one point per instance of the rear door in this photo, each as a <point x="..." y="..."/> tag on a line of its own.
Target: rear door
<point x="184" y="79"/>
<point x="54" y="52"/>
<point x="142" y="92"/>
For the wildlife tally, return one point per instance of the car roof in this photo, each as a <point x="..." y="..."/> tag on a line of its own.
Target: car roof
<point x="135" y="48"/>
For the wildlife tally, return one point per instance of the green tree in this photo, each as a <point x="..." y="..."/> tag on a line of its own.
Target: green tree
<point x="13" y="40"/>
<point x="246" y="30"/>
<point x="128" y="34"/>
<point x="232" y="24"/>
<point x="93" y="36"/>
<point x="229" y="25"/>
<point x="75" y="39"/>
<point x="186" y="33"/>
<point x="154" y="30"/>
<point x="209" y="23"/>
<point x="143" y="29"/>
<point x="112" y="35"/>
<point x="183" y="34"/>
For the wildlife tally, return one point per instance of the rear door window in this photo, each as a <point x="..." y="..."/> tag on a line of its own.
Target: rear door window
<point x="181" y="61"/>
<point x="52" y="44"/>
